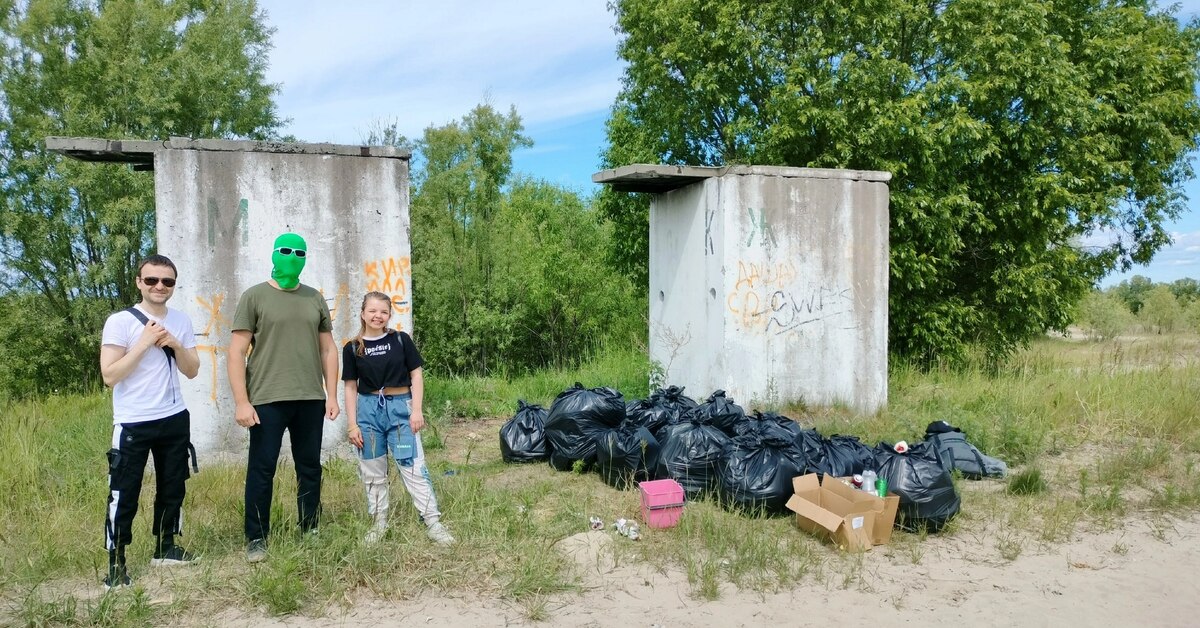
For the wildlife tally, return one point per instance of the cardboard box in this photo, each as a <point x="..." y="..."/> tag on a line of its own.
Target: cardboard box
<point x="854" y="520"/>
<point x="884" y="508"/>
<point x="662" y="502"/>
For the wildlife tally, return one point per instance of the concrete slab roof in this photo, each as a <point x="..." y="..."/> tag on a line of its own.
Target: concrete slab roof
<point x="659" y="178"/>
<point x="141" y="152"/>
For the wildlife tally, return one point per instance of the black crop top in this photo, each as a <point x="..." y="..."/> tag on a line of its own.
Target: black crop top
<point x="385" y="362"/>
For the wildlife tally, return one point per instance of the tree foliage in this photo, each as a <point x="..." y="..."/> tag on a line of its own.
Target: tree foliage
<point x="627" y="212"/>
<point x="72" y="232"/>
<point x="1161" y="311"/>
<point x="1013" y="129"/>
<point x="1186" y="290"/>
<point x="1133" y="291"/>
<point x="1191" y="316"/>
<point x="1104" y="315"/>
<point x="508" y="275"/>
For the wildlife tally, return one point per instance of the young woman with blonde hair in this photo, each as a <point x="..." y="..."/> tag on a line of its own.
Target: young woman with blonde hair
<point x="385" y="387"/>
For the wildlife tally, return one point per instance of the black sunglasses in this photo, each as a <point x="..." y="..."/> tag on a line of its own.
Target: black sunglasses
<point x="153" y="281"/>
<point x="289" y="251"/>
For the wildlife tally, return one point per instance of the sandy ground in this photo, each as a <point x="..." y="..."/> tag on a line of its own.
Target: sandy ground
<point x="1141" y="575"/>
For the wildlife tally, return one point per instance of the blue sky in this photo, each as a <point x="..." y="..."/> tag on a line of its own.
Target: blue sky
<point x="345" y="66"/>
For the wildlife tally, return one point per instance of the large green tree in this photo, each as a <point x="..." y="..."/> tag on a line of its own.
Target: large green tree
<point x="142" y="69"/>
<point x="508" y="272"/>
<point x="1133" y="291"/>
<point x="465" y="165"/>
<point x="1186" y="290"/>
<point x="1014" y="130"/>
<point x="1161" y="311"/>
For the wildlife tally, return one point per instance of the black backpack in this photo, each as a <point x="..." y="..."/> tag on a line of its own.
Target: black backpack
<point x="954" y="452"/>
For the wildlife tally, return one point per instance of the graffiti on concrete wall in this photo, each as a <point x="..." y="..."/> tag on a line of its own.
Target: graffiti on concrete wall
<point x="767" y="299"/>
<point x="339" y="302"/>
<point x="217" y="228"/>
<point x="760" y="229"/>
<point x="391" y="276"/>
<point x="710" y="217"/>
<point x="216" y="326"/>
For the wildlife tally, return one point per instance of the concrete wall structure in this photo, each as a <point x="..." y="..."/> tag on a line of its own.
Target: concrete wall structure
<point x="219" y="206"/>
<point x="770" y="283"/>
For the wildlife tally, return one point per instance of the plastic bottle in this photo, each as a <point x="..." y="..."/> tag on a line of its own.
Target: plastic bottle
<point x="868" y="481"/>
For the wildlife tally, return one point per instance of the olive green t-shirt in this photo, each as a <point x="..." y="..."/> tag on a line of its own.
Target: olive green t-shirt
<point x="285" y="356"/>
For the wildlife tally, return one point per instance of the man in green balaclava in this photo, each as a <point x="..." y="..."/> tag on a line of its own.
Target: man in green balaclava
<point x="288" y="384"/>
<point x="288" y="260"/>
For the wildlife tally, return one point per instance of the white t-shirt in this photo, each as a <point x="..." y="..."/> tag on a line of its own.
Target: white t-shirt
<point x="152" y="390"/>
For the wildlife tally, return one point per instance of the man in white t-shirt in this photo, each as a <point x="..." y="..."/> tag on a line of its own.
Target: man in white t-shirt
<point x="143" y="350"/>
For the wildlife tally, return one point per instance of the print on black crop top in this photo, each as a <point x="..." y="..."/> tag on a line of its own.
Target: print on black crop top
<point x="385" y="363"/>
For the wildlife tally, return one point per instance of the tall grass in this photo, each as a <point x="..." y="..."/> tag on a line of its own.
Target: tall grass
<point x="625" y="370"/>
<point x="1056" y="395"/>
<point x="1094" y="433"/>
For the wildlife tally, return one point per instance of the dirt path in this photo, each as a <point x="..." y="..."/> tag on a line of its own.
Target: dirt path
<point x="1140" y="575"/>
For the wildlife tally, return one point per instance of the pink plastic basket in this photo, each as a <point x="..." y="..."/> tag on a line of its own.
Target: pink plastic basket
<point x="662" y="503"/>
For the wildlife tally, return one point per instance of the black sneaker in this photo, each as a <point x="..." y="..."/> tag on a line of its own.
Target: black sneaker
<point x="172" y="555"/>
<point x="117" y="576"/>
<point x="256" y="551"/>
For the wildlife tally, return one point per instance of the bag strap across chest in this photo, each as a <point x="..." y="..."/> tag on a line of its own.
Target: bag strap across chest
<point x="141" y="316"/>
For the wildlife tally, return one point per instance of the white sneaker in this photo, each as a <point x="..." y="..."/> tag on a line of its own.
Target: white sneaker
<point x="439" y="534"/>
<point x="375" y="535"/>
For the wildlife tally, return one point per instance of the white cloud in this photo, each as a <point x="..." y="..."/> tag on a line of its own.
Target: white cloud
<point x="1099" y="238"/>
<point x="343" y="65"/>
<point x="1176" y="261"/>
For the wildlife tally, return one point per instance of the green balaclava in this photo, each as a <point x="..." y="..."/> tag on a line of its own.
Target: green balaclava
<point x="286" y="270"/>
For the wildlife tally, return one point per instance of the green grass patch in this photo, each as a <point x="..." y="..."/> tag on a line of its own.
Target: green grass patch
<point x="1027" y="482"/>
<point x="473" y="397"/>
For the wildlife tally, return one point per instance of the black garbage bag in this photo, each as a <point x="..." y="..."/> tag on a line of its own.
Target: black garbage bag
<point x="768" y="421"/>
<point x="928" y="499"/>
<point x="663" y="407"/>
<point x="809" y="443"/>
<point x="673" y="395"/>
<point x="691" y="455"/>
<point x="955" y="452"/>
<point x="812" y="445"/>
<point x="757" y="469"/>
<point x="523" y="437"/>
<point x="843" y="456"/>
<point x="720" y="412"/>
<point x="577" y="417"/>
<point x="626" y="455"/>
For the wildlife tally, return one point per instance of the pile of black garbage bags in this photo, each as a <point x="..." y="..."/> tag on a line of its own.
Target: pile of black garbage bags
<point x="716" y="451"/>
